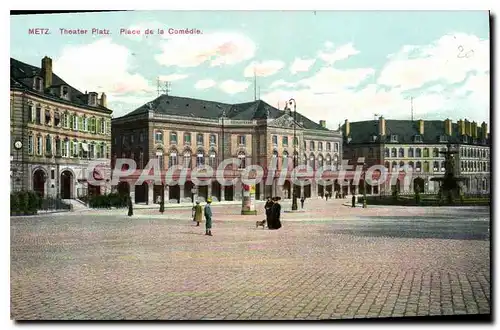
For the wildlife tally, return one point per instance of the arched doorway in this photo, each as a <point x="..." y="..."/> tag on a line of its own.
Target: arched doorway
<point x="307" y="191"/>
<point x="297" y="190"/>
<point x="203" y="191"/>
<point x="228" y="193"/>
<point x="188" y="186"/>
<point x="174" y="192"/>
<point x="287" y="190"/>
<point x="321" y="190"/>
<point x="39" y="182"/>
<point x="418" y="184"/>
<point x="141" y="193"/>
<point x="216" y="188"/>
<point x="66" y="185"/>
<point x="123" y="188"/>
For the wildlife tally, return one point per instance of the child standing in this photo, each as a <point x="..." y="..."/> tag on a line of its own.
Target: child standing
<point x="208" y="217"/>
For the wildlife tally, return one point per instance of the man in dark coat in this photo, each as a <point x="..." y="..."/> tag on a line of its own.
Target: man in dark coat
<point x="276" y="212"/>
<point x="267" y="207"/>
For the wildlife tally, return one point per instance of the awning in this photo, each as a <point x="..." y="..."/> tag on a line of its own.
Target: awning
<point x="85" y="147"/>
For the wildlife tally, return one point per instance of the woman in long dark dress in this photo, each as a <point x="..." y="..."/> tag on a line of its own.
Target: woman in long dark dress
<point x="268" y="206"/>
<point x="276" y="212"/>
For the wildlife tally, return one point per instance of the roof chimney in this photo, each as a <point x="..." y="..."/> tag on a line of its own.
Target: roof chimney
<point x="381" y="126"/>
<point x="461" y="127"/>
<point x="347" y="128"/>
<point x="47" y="71"/>
<point x="468" y="128"/>
<point x="484" y="130"/>
<point x="322" y="123"/>
<point x="474" y="129"/>
<point x="103" y="100"/>
<point x="421" y="127"/>
<point x="447" y="127"/>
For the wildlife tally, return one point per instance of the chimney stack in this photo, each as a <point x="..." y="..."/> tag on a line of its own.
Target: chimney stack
<point x="461" y="127"/>
<point x="484" y="130"/>
<point x="474" y="129"/>
<point x="322" y="123"/>
<point x="420" y="127"/>
<point x="103" y="100"/>
<point x="381" y="126"/>
<point x="347" y="128"/>
<point x="47" y="71"/>
<point x="467" y="128"/>
<point x="448" y="127"/>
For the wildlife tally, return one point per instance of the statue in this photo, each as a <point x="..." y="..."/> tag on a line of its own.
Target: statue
<point x="449" y="186"/>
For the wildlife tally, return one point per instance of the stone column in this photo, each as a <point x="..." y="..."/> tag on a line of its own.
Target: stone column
<point x="131" y="188"/>
<point x="237" y="191"/>
<point x="150" y="200"/>
<point x="222" y="194"/>
<point x="314" y="188"/>
<point x="209" y="190"/>
<point x="181" y="193"/>
<point x="348" y="187"/>
<point x="166" y="193"/>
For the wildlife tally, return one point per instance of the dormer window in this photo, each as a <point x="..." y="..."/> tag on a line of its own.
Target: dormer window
<point x="443" y="139"/>
<point x="465" y="139"/>
<point x="394" y="138"/>
<point x="38" y="84"/>
<point x="65" y="92"/>
<point x="417" y="138"/>
<point x="374" y="138"/>
<point x="93" y="99"/>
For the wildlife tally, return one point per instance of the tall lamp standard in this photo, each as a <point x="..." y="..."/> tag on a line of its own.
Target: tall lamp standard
<point x="294" y="193"/>
<point x="364" y="186"/>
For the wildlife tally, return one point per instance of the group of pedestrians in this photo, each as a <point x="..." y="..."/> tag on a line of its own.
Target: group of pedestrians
<point x="199" y="212"/>
<point x="273" y="212"/>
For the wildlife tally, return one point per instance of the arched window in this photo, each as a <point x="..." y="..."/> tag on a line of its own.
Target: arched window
<point x="328" y="160"/>
<point x="387" y="165"/>
<point x="213" y="139"/>
<point x="187" y="159"/>
<point x="418" y="153"/>
<point x="212" y="160"/>
<point x="199" y="139"/>
<point x="320" y="161"/>
<point x="30" y="143"/>
<point x="242" y="157"/>
<point x="285" y="162"/>
<point x="436" y="166"/>
<point x="312" y="160"/>
<point x="426" y="166"/>
<point x="320" y="146"/>
<point x="158" y="136"/>
<point x="274" y="160"/>
<point x="304" y="159"/>
<point x="426" y="152"/>
<point x="386" y="152"/>
<point x="328" y="146"/>
<point x="173" y="137"/>
<point x="411" y="166"/>
<point x="394" y="165"/>
<point x="394" y="152"/>
<point x="418" y="167"/>
<point x="311" y="145"/>
<point x="58" y="146"/>
<point x="48" y="144"/>
<point x="200" y="158"/>
<point x="39" y="145"/>
<point x="173" y="158"/>
<point x="401" y="152"/>
<point x="435" y="152"/>
<point x="401" y="165"/>
<point x="411" y="152"/>
<point x="336" y="147"/>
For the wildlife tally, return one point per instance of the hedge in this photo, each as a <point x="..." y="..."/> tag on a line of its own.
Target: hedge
<point x="24" y="203"/>
<point x="108" y="201"/>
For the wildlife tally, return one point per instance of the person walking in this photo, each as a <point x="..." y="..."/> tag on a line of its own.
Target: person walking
<point x="302" y="200"/>
<point x="198" y="213"/>
<point x="267" y="207"/>
<point x="276" y="213"/>
<point x="208" y="218"/>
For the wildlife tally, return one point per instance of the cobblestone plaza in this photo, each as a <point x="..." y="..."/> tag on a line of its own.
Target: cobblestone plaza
<point x="328" y="262"/>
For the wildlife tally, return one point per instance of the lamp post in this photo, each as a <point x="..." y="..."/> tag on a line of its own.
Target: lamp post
<point x="364" y="186"/>
<point x="294" y="193"/>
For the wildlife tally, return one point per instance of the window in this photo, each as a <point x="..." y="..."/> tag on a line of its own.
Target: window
<point x="92" y="150"/>
<point x="242" y="140"/>
<point x="311" y="145"/>
<point x="93" y="99"/>
<point x="328" y="160"/>
<point x="411" y="152"/>
<point x="386" y="152"/>
<point x="52" y="174"/>
<point x="66" y="147"/>
<point x="48" y="118"/>
<point x="401" y="152"/>
<point x="199" y="139"/>
<point x="173" y="138"/>
<point x="417" y="138"/>
<point x="242" y="157"/>
<point x="304" y="160"/>
<point x="435" y="152"/>
<point x="284" y="161"/>
<point x="394" y="138"/>
<point x="38" y="83"/>
<point x="73" y="122"/>
<point x="394" y="166"/>
<point x="312" y="161"/>
<point x="411" y="166"/>
<point x="418" y="153"/>
<point x="58" y="147"/>
<point x="336" y="147"/>
<point x="102" y="125"/>
<point x="418" y="167"/>
<point x="274" y="160"/>
<point x="328" y="146"/>
<point x="394" y="152"/>
<point x="159" y="155"/>
<point x="92" y="125"/>
<point x="284" y="141"/>
<point x="275" y="140"/>
<point x="426" y="166"/>
<point x="73" y="149"/>
<point x="30" y="144"/>
<point x="141" y="137"/>
<point x="39" y="145"/>
<point x="38" y="119"/>
<point x="200" y="159"/>
<point x="212" y="159"/>
<point x="213" y="139"/>
<point x="320" y="161"/>
<point x="132" y="138"/>
<point x="65" y="92"/>
<point x="187" y="159"/>
<point x="387" y="165"/>
<point x="436" y="166"/>
<point x="158" y="137"/>
<point x="305" y="145"/>
<point x="296" y="142"/>
<point x="187" y="139"/>
<point x="401" y="165"/>
<point x="31" y="113"/>
<point x="48" y="144"/>
<point x="57" y="119"/>
<point x="320" y="146"/>
<point x="426" y="152"/>
<point x="443" y="139"/>
<point x="172" y="158"/>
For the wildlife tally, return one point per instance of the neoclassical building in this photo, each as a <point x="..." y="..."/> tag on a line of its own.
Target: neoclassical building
<point x="55" y="131"/>
<point x="191" y="132"/>
<point x="417" y="145"/>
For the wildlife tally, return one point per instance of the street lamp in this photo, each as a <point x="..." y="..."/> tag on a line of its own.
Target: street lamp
<point x="364" y="186"/>
<point x="294" y="193"/>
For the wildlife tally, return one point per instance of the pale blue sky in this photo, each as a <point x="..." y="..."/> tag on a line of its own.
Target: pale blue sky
<point x="280" y="37"/>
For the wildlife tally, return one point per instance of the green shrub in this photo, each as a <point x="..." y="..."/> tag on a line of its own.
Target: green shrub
<point x="108" y="201"/>
<point x="24" y="203"/>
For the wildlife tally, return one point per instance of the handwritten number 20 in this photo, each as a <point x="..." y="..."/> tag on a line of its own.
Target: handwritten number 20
<point x="463" y="54"/>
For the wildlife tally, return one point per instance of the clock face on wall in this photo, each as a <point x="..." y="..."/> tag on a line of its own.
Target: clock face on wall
<point x="18" y="144"/>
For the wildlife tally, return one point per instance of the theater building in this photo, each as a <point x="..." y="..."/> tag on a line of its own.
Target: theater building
<point x="191" y="133"/>
<point x="55" y="131"/>
<point x="417" y="145"/>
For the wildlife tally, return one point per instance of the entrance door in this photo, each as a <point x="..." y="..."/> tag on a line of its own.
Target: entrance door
<point x="66" y="184"/>
<point x="39" y="182"/>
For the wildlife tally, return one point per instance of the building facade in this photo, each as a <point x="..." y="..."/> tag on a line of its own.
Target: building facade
<point x="190" y="133"/>
<point x="418" y="146"/>
<point x="55" y="131"/>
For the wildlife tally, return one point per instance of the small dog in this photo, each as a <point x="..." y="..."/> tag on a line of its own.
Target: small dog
<point x="260" y="223"/>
